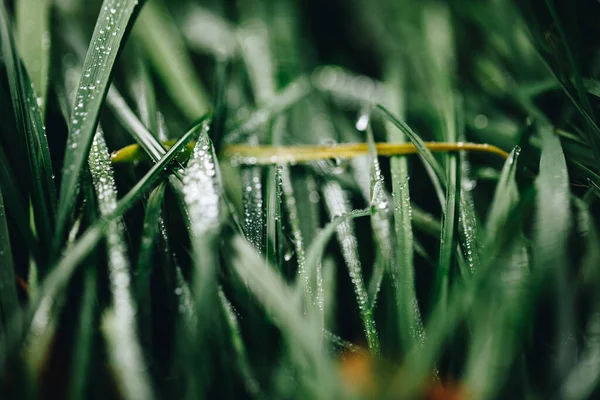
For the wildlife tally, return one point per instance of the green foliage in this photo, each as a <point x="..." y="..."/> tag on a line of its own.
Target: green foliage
<point x="180" y="272"/>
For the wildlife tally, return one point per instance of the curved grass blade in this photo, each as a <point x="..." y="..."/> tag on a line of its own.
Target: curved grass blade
<point x="496" y="329"/>
<point x="108" y="37"/>
<point x="168" y="54"/>
<point x="253" y="203"/>
<point x="417" y="142"/>
<point x="505" y="197"/>
<point x="31" y="127"/>
<point x="302" y="335"/>
<point x="145" y="261"/>
<point x="237" y="341"/>
<point x="283" y="100"/>
<point x="33" y="36"/>
<point x="337" y="205"/>
<point x="314" y="254"/>
<point x="140" y="133"/>
<point x="403" y="274"/>
<point x="118" y="323"/>
<point x="551" y="231"/>
<point x="380" y="220"/>
<point x="63" y="270"/>
<point x="289" y="202"/>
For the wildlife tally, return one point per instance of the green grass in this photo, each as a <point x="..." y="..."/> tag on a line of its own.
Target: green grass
<point x="313" y="206"/>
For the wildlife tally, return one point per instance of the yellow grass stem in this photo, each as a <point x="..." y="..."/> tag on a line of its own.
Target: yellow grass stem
<point x="263" y="155"/>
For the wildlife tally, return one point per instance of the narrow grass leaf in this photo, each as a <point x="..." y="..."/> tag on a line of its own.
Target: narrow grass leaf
<point x="119" y="323"/>
<point x="505" y="197"/>
<point x="33" y="37"/>
<point x="337" y="205"/>
<point x="291" y="207"/>
<point x="237" y="342"/>
<point x="60" y="275"/>
<point x="380" y="220"/>
<point x="275" y="296"/>
<point x="140" y="133"/>
<point x="417" y="142"/>
<point x="145" y="261"/>
<point x="253" y="203"/>
<point x="168" y="54"/>
<point x="409" y="320"/>
<point x="31" y="128"/>
<point x="551" y="231"/>
<point x="109" y="35"/>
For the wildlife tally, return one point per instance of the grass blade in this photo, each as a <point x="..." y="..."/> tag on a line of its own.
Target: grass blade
<point x="31" y="127"/>
<point x="109" y="35"/>
<point x="417" y="142"/>
<point x="403" y="274"/>
<point x="168" y="54"/>
<point x="291" y="207"/>
<point x="33" y="34"/>
<point x="237" y="341"/>
<point x="337" y="205"/>
<point x="145" y="261"/>
<point x="506" y="195"/>
<point x="275" y="296"/>
<point x="551" y="231"/>
<point x="65" y="267"/>
<point x="254" y="215"/>
<point x="118" y="323"/>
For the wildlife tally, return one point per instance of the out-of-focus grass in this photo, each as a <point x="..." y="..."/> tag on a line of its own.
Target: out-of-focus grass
<point x="237" y="264"/>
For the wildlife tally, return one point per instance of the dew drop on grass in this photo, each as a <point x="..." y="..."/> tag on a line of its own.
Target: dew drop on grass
<point x="337" y="205"/>
<point x="119" y="321"/>
<point x="254" y="214"/>
<point x="201" y="187"/>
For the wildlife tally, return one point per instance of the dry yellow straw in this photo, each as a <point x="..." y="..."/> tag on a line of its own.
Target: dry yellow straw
<point x="247" y="154"/>
<point x="263" y="155"/>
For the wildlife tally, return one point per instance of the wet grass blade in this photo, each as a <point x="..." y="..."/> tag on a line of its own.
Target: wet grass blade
<point x="380" y="222"/>
<point x="337" y="205"/>
<point x="140" y="133"/>
<point x="302" y="335"/>
<point x="145" y="260"/>
<point x="505" y="197"/>
<point x="118" y="323"/>
<point x="32" y="132"/>
<point x="291" y="207"/>
<point x="409" y="320"/>
<point x="551" y="232"/>
<point x="168" y="54"/>
<point x="109" y="35"/>
<point x="417" y="142"/>
<point x="65" y="267"/>
<point x="253" y="203"/>
<point x="237" y="342"/>
<point x="33" y="36"/>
